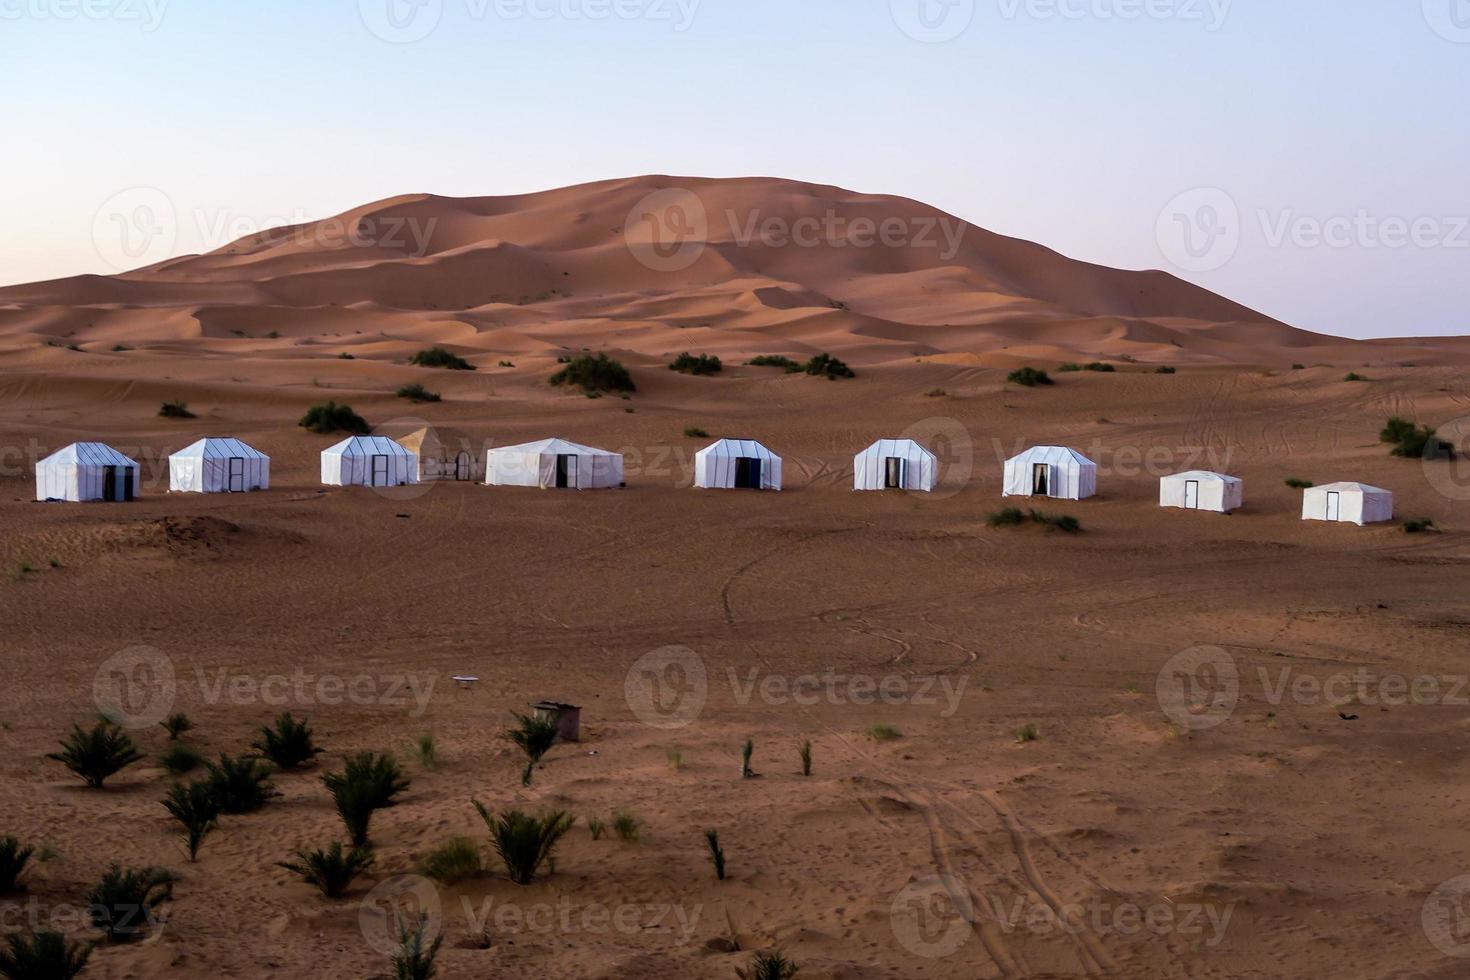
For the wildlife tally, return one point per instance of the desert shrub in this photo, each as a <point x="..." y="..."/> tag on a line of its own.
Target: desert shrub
<point x="418" y="393"/>
<point x="289" y="744"/>
<point x="524" y="842"/>
<point x="695" y="432"/>
<point x="176" y="724"/>
<point x="1006" y="517"/>
<point x="703" y="364"/>
<point x="1026" y="733"/>
<point x="122" y="904"/>
<point x="1070" y="367"/>
<point x="196" y="808"/>
<point x="97" y="754"/>
<point x="716" y="852"/>
<point x="773" y="360"/>
<point x="43" y="955"/>
<point x="596" y="827"/>
<point x="1298" y="484"/>
<point x="454" y="860"/>
<point x="1414" y="441"/>
<point x="331" y="870"/>
<point x="506" y="364"/>
<point x="344" y="356"/>
<point x="768" y="966"/>
<point x="1061" y="522"/>
<point x="175" y="410"/>
<point x="331" y="417"/>
<point x="1410" y="527"/>
<point x="355" y="801"/>
<point x="240" y="784"/>
<point x="380" y="773"/>
<point x="413" y="960"/>
<point x="625" y="825"/>
<point x="535" y="735"/>
<point x="1028" y="377"/>
<point x="806" y="758"/>
<point x="426" y="750"/>
<point x="594" y="374"/>
<point x="1354" y="376"/>
<point x="13" y="860"/>
<point x="746" y="751"/>
<point x="1165" y="369"/>
<point x="1101" y="367"/>
<point x="676" y="759"/>
<point x="180" y="758"/>
<point x="826" y="366"/>
<point x="882" y="733"/>
<point x="438" y="357"/>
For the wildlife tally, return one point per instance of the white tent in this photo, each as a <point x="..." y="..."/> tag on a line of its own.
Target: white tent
<point x="87" y="471"/>
<point x="553" y="464"/>
<point x="737" y="464"/>
<point x="369" y="461"/>
<point x="219" y="465"/>
<point x="1202" y="490"/>
<point x="894" y="464"/>
<point x="1050" y="471"/>
<point x="1351" y="503"/>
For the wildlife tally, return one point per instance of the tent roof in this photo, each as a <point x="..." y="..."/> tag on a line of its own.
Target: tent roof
<point x="219" y="447"/>
<point x="1052" y="454"/>
<point x="888" y="447"/>
<point x="367" y="446"/>
<point x="89" y="454"/>
<point x="737" y="448"/>
<point x="560" y="447"/>
<point x="1348" y="488"/>
<point x="1210" y="475"/>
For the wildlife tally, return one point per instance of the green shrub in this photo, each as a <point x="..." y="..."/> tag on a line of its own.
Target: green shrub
<point x="44" y="955"/>
<point x="456" y="859"/>
<point x="289" y="744"/>
<point x="524" y="842"/>
<point x="716" y="852"/>
<point x="1061" y="522"/>
<point x="1297" y="484"/>
<point x="175" y="410"/>
<point x="1165" y="369"/>
<point x="426" y="750"/>
<point x="1354" y="376"/>
<point x="97" y="754"/>
<point x="506" y="364"/>
<point x="176" y="724"/>
<point x="438" y="357"/>
<point x="1414" y="441"/>
<point x="594" y="374"/>
<point x="418" y="393"/>
<point x="826" y="366"/>
<point x="240" y="784"/>
<point x="123" y="903"/>
<point x="625" y="825"/>
<point x="596" y="827"/>
<point x="746" y="751"/>
<point x="535" y="735"/>
<point x="331" y="417"/>
<point x="180" y="758"/>
<point x="413" y="960"/>
<point x="774" y="360"/>
<point x="883" y="733"/>
<point x="1026" y="733"/>
<point x="1099" y="366"/>
<point x="695" y="432"/>
<point x="1028" y="377"/>
<point x="806" y="758"/>
<point x="1006" y="517"/>
<point x="703" y="364"/>
<point x="196" y="808"/>
<point x="1070" y="367"/>
<point x="344" y="356"/>
<point x="768" y="966"/>
<point x="331" y="870"/>
<point x="13" y="860"/>
<point x="380" y="773"/>
<point x="1410" y="527"/>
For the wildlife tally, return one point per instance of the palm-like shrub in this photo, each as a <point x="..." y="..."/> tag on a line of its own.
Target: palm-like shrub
<point x="331" y="870"/>
<point x="524" y="842"/>
<point x="413" y="960"/>
<point x="180" y="758"/>
<point x="176" y="725"/>
<point x="97" y="754"/>
<point x="289" y="744"/>
<point x="196" y="808"/>
<point x="240" y="784"/>
<point x="124" y="901"/>
<point x="13" y="860"/>
<point x="535" y="735"/>
<point x="43" y="955"/>
<point x="768" y="966"/>
<point x="379" y="772"/>
<point x="716" y="852"/>
<point x="355" y="800"/>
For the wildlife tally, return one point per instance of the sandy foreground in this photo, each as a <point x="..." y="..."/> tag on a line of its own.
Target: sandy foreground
<point x="1164" y="822"/>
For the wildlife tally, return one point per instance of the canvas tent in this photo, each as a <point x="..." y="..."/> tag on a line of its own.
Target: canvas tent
<point x="553" y="464"/>
<point x="1050" y="471"/>
<point x="87" y="471"/>
<point x="218" y="465"/>
<point x="368" y="461"/>
<point x="1202" y="490"/>
<point x="894" y="464"/>
<point x="1350" y="503"/>
<point x="440" y="457"/>
<point x="737" y="464"/>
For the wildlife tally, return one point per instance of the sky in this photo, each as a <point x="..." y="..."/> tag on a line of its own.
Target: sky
<point x="1309" y="158"/>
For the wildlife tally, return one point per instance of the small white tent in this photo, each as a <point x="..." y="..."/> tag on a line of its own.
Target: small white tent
<point x="894" y="464"/>
<point x="218" y="465"/>
<point x="553" y="464"/>
<point x="87" y="471"/>
<point x="369" y="461"/>
<point x="1202" y="490"/>
<point x="1350" y="503"/>
<point x="737" y="464"/>
<point x="1050" y="471"/>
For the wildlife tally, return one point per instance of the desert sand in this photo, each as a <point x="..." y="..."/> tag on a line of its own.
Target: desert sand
<point x="1300" y="836"/>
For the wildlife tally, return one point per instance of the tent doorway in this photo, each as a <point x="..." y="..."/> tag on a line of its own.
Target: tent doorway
<point x="379" y="472"/>
<point x="1041" y="479"/>
<point x="893" y="473"/>
<point x="747" y="473"/>
<point x="1334" y="506"/>
<point x="1191" y="494"/>
<point x="566" y="471"/>
<point x="110" y="485"/>
<point x="462" y="466"/>
<point x="236" y="483"/>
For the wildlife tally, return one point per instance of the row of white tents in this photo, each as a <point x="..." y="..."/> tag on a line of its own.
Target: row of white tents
<point x="93" y="471"/>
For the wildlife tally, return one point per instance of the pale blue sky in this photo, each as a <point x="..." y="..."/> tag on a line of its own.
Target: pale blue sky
<point x="1074" y="123"/>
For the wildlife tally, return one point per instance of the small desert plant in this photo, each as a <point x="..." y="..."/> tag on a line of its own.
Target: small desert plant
<point x="1099" y="366"/>
<point x="596" y="827"/>
<point x="524" y="842"/>
<point x="454" y="860"/>
<point x="1354" y="376"/>
<point x="774" y="360"/>
<point x="97" y="754"/>
<point x="289" y="744"/>
<point x="344" y="356"/>
<point x="1071" y="367"/>
<point x="13" y="860"/>
<point x="180" y="758"/>
<point x="380" y="773"/>
<point x="806" y="758"/>
<point x="174" y="410"/>
<point x="176" y="725"/>
<point x="438" y="357"/>
<point x="625" y="825"/>
<point x="505" y="364"/>
<point x="882" y="733"/>
<point x="768" y="966"/>
<point x="688" y="363"/>
<point x="535" y="734"/>
<point x="1165" y="369"/>
<point x="1061" y="522"/>
<point x="331" y="417"/>
<point x="1298" y="367"/>
<point x="426" y="750"/>
<point x="676" y="759"/>
<point x="413" y="960"/>
<point x="331" y="870"/>
<point x="356" y="802"/>
<point x="240" y="784"/>
<point x="1026" y="733"/>
<point x="122" y="904"/>
<point x="1297" y="484"/>
<point x="936" y="393"/>
<point x="1028" y="377"/>
<point x="418" y="393"/>
<point x="746" y="751"/>
<point x="594" y="374"/>
<point x="43" y="955"/>
<point x="196" y="809"/>
<point x="716" y="852"/>
<point x="829" y="367"/>
<point x="1414" y="441"/>
<point x="695" y="432"/>
<point x="1410" y="527"/>
<point x="1006" y="517"/>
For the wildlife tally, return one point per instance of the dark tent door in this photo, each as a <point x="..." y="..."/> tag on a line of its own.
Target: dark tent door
<point x="566" y="471"/>
<point x="1041" y="479"/>
<point x="236" y="482"/>
<point x="110" y="485"/>
<point x="747" y="473"/>
<point x="893" y="473"/>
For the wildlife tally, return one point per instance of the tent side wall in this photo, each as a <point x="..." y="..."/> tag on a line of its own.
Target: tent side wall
<point x="1377" y="507"/>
